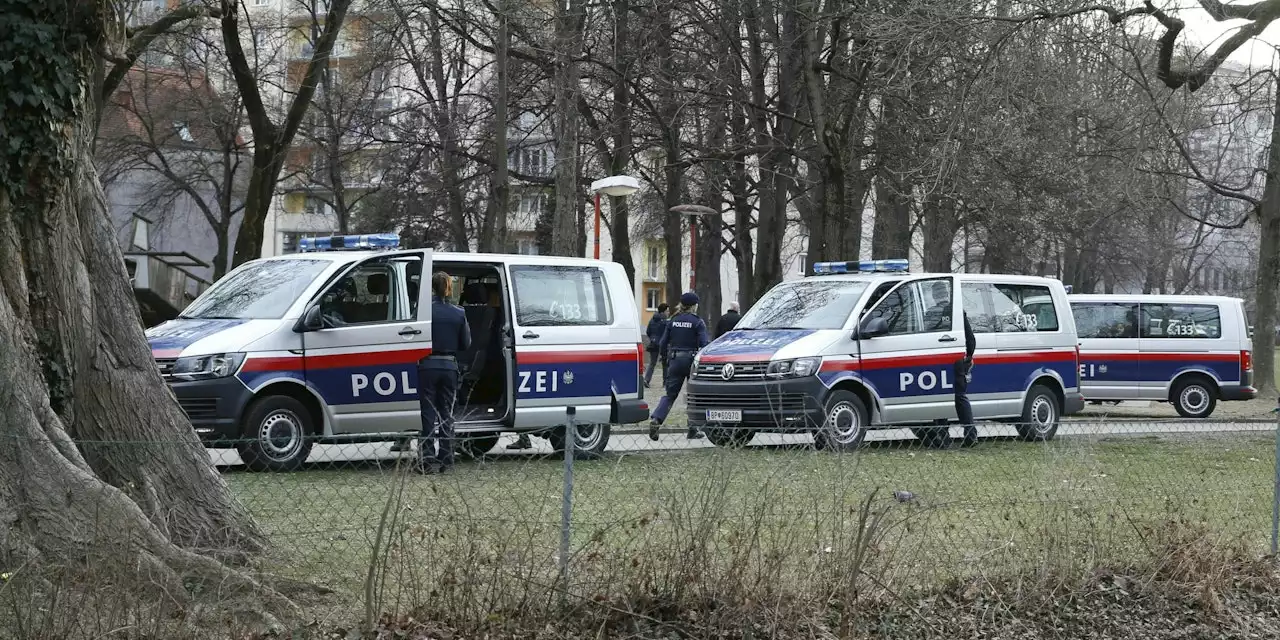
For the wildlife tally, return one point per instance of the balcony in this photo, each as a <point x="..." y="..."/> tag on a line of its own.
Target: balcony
<point x="163" y="284"/>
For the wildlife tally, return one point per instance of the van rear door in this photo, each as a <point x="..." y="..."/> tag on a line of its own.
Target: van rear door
<point x="573" y="347"/>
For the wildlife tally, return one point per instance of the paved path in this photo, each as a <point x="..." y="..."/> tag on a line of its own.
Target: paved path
<point x="632" y="439"/>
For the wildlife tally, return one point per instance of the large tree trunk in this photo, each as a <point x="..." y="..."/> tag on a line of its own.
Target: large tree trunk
<point x="569" y="22"/>
<point x="99" y="462"/>
<point x="1264" y="334"/>
<point x="620" y="158"/>
<point x="493" y="234"/>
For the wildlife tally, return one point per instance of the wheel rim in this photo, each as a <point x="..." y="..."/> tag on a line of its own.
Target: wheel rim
<point x="1043" y="414"/>
<point x="843" y="423"/>
<point x="280" y="435"/>
<point x="587" y="436"/>
<point x="1194" y="399"/>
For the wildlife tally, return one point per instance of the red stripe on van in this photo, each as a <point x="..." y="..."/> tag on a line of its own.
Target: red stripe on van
<point x="1162" y="357"/>
<point x="573" y="357"/>
<point x="336" y="361"/>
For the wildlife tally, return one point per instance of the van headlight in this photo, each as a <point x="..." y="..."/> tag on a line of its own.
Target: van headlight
<point x="797" y="368"/>
<point x="218" y="365"/>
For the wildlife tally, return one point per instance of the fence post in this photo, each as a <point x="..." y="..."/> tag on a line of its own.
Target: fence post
<point x="1275" y="493"/>
<point x="566" y="503"/>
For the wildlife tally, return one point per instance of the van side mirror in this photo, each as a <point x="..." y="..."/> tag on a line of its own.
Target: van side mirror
<point x="310" y="320"/>
<point x="871" y="327"/>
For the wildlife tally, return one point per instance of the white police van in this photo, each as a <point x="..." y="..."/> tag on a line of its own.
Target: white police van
<point x="322" y="346"/>
<point x="865" y="344"/>
<point x="1191" y="351"/>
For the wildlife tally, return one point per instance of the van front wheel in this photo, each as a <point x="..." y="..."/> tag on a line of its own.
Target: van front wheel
<point x="844" y="423"/>
<point x="276" y="434"/>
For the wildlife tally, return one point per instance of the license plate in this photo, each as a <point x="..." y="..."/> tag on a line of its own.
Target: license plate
<point x="724" y="415"/>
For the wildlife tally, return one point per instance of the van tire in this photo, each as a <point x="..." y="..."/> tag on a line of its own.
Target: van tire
<point x="276" y="434"/>
<point x="729" y="437"/>
<point x="586" y="448"/>
<point x="1040" y="415"/>
<point x="1195" y="397"/>
<point x="476" y="446"/>
<point x="844" y="422"/>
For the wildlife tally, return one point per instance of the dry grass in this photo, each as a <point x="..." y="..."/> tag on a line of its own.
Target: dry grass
<point x="745" y="544"/>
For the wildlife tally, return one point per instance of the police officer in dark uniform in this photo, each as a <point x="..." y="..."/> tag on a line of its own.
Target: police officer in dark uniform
<point x="963" y="375"/>
<point x="438" y="376"/>
<point x="686" y="333"/>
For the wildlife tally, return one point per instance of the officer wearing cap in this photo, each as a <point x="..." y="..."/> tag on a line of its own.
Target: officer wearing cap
<point x="686" y="333"/>
<point x="438" y="376"/>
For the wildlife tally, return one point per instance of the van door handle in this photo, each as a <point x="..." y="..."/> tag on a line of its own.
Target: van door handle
<point x="947" y="339"/>
<point x="410" y="331"/>
<point x="529" y="335"/>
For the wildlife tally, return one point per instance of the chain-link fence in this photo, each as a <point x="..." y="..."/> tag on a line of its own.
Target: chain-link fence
<point x="515" y="529"/>
<point x="512" y="531"/>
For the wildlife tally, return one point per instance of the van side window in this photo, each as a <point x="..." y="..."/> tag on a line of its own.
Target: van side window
<point x="975" y="300"/>
<point x="917" y="307"/>
<point x="1023" y="308"/>
<point x="1181" y="321"/>
<point x="560" y="296"/>
<point x="1106" y="319"/>
<point x="364" y="296"/>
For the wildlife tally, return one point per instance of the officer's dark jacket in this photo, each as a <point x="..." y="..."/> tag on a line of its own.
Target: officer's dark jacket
<point x="657" y="327"/>
<point x="685" y="331"/>
<point x="450" y="333"/>
<point x="970" y="340"/>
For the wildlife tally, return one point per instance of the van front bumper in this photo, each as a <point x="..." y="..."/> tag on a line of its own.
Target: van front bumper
<point x="213" y="406"/>
<point x="775" y="405"/>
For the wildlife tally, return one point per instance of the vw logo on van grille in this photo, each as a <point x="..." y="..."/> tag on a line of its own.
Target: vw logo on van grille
<point x="726" y="372"/>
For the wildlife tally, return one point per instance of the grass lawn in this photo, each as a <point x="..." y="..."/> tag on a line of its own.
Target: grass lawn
<point x="771" y="518"/>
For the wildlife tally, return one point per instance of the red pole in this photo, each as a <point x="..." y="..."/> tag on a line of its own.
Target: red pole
<point x="693" y="246"/>
<point x="597" y="225"/>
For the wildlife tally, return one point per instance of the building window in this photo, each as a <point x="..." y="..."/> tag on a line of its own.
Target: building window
<point x="183" y="131"/>
<point x="532" y="162"/>
<point x="533" y="204"/>
<point x="652" y="298"/>
<point x="289" y="239"/>
<point x="260" y="3"/>
<point x="652" y="259"/>
<point x="141" y="237"/>
<point x="800" y="262"/>
<point x="527" y="246"/>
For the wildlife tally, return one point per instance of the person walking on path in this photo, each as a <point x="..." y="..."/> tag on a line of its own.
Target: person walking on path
<point x="729" y="320"/>
<point x="438" y="377"/>
<point x="657" y="327"/>
<point x="685" y="335"/>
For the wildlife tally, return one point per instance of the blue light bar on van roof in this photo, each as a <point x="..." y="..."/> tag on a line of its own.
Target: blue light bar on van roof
<point x="340" y="243"/>
<point x="861" y="266"/>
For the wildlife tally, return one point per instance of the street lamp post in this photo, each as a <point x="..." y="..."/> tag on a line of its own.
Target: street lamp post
<point x="617" y="186"/>
<point x="694" y="211"/>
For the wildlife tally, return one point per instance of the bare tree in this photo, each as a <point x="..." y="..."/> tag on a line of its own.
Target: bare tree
<point x="168" y="127"/>
<point x="273" y="134"/>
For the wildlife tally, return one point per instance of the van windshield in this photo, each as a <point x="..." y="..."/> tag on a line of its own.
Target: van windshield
<point x="257" y="291"/>
<point x="805" y="304"/>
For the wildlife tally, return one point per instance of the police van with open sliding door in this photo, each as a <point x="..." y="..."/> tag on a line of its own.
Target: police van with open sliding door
<point x="322" y="346"/>
<point x="864" y="345"/>
<point x="1191" y="351"/>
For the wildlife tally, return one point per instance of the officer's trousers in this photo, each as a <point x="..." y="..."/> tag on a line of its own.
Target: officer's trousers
<point x="437" y="390"/>
<point x="677" y="370"/>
